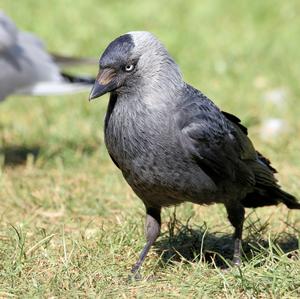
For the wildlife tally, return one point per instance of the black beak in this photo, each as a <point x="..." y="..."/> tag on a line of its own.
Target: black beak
<point x="105" y="82"/>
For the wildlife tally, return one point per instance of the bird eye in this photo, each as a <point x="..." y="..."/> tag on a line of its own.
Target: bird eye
<point x="129" y="67"/>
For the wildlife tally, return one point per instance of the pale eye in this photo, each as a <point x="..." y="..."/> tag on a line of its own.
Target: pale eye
<point x="129" y="67"/>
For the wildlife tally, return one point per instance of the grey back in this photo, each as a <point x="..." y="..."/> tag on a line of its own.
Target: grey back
<point x="23" y="59"/>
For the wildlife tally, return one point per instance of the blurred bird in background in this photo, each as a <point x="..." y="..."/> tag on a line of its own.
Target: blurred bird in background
<point x="27" y="68"/>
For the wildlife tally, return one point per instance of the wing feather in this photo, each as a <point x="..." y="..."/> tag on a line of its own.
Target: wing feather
<point x="219" y="148"/>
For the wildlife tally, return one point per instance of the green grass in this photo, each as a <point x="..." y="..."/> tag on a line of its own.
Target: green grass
<point x="70" y="226"/>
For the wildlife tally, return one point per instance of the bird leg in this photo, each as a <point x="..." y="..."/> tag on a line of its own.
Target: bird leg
<point x="236" y="213"/>
<point x="152" y="231"/>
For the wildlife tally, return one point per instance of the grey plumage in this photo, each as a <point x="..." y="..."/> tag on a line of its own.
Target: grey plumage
<point x="173" y="144"/>
<point x="27" y="68"/>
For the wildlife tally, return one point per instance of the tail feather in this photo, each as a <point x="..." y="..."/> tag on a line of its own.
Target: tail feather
<point x="68" y="85"/>
<point x="53" y="88"/>
<point x="67" y="61"/>
<point x="78" y="78"/>
<point x="289" y="200"/>
<point x="259" y="198"/>
<point x="270" y="196"/>
<point x="267" y="191"/>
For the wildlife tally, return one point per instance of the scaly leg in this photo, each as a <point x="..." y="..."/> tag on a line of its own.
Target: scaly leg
<point x="152" y="231"/>
<point x="236" y="213"/>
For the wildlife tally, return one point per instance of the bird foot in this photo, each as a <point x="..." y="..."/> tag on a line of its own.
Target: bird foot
<point x="135" y="274"/>
<point x="236" y="261"/>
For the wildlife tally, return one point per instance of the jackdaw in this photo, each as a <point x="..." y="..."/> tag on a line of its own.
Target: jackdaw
<point x="173" y="144"/>
<point x="27" y="68"/>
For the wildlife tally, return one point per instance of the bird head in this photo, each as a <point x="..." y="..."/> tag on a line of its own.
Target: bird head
<point x="130" y="62"/>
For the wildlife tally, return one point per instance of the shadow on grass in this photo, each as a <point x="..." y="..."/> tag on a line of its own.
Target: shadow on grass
<point x="75" y="146"/>
<point x="183" y="243"/>
<point x="17" y="155"/>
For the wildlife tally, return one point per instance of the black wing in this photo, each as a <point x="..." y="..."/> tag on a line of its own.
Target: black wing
<point x="234" y="119"/>
<point x="218" y="147"/>
<point x="219" y="143"/>
<point x="237" y="122"/>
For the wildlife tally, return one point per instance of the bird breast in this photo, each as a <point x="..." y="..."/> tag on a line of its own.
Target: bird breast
<point x="133" y="132"/>
<point x="144" y="145"/>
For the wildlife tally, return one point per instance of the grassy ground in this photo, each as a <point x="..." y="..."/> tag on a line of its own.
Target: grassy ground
<point x="69" y="225"/>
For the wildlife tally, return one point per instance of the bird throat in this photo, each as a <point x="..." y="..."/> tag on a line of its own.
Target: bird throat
<point x="131" y="128"/>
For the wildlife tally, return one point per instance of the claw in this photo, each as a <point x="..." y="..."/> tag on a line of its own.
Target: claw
<point x="236" y="261"/>
<point x="134" y="276"/>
